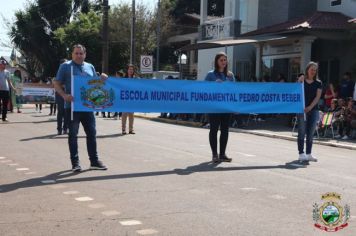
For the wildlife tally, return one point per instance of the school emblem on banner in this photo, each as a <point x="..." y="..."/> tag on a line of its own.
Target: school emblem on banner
<point x="97" y="97"/>
<point x="331" y="216"/>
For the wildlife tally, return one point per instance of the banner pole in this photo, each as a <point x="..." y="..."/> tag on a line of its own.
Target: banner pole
<point x="303" y="96"/>
<point x="71" y="92"/>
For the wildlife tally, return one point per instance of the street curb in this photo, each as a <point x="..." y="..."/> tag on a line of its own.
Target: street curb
<point x="257" y="133"/>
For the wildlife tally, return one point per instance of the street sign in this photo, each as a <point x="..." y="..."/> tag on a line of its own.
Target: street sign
<point x="146" y="64"/>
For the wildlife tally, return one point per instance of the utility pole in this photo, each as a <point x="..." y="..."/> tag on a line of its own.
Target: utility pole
<point x="133" y="22"/>
<point x="158" y="32"/>
<point x="105" y="36"/>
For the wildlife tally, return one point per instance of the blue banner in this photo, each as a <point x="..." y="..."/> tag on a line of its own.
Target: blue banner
<point x="183" y="96"/>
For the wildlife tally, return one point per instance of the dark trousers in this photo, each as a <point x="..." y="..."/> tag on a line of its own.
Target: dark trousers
<point x="88" y="121"/>
<point x="62" y="116"/>
<point x="4" y="101"/>
<point x="53" y="108"/>
<point x="216" y="121"/>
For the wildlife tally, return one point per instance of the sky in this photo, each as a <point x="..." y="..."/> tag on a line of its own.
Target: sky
<point x="8" y="11"/>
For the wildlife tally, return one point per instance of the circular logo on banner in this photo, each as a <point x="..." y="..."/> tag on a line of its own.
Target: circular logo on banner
<point x="146" y="62"/>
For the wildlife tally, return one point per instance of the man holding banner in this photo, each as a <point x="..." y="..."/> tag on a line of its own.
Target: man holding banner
<point x="65" y="75"/>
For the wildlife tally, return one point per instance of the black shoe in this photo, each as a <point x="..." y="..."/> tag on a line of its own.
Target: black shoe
<point x="124" y="132"/>
<point x="224" y="158"/>
<point x="59" y="132"/>
<point x="215" y="158"/>
<point x="98" y="165"/>
<point x="65" y="131"/>
<point x="76" y="168"/>
<point x="132" y="132"/>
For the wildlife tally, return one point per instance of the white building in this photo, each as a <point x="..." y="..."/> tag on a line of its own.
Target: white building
<point x="268" y="37"/>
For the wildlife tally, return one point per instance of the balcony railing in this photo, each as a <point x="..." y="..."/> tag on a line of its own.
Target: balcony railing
<point x="219" y="29"/>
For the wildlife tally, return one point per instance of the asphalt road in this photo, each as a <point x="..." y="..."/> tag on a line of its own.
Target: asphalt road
<point x="161" y="182"/>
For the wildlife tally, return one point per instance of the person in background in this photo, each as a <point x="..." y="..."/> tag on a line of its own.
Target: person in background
<point x="62" y="117"/>
<point x="38" y="106"/>
<point x="130" y="74"/>
<point x="118" y="74"/>
<point x="53" y="106"/>
<point x="330" y="94"/>
<point x="5" y="85"/>
<point x="307" y="121"/>
<point x="347" y="115"/>
<point x="16" y="80"/>
<point x="281" y="78"/>
<point x="334" y="106"/>
<point x="347" y="86"/>
<point x="220" y="74"/>
<point x="339" y="117"/>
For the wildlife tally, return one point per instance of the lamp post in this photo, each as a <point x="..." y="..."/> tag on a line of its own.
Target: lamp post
<point x="133" y="22"/>
<point x="105" y="37"/>
<point x="158" y="32"/>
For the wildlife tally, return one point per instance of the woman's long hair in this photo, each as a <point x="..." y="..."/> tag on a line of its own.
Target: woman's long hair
<point x="217" y="57"/>
<point x="127" y="71"/>
<point x="17" y="73"/>
<point x="310" y="64"/>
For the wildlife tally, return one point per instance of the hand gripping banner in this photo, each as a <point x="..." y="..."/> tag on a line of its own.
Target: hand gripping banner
<point x="184" y="96"/>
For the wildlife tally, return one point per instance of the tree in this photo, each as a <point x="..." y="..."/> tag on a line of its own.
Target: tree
<point x="84" y="29"/>
<point x="120" y="34"/>
<point x="32" y="33"/>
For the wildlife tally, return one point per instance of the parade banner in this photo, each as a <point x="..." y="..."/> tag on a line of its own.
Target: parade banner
<point x="35" y="94"/>
<point x="184" y="96"/>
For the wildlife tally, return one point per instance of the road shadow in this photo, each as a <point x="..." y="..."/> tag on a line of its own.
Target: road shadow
<point x="55" y="136"/>
<point x="28" y="122"/>
<point x="63" y="177"/>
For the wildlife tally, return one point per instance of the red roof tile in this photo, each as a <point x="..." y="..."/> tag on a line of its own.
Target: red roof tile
<point x="318" y="20"/>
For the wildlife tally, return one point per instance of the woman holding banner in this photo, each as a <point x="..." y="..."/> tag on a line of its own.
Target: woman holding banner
<point x="307" y="122"/>
<point x="130" y="74"/>
<point x="219" y="74"/>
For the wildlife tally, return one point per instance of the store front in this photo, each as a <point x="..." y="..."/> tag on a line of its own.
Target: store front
<point x="281" y="58"/>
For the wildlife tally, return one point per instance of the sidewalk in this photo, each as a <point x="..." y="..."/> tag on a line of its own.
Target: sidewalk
<point x="271" y="128"/>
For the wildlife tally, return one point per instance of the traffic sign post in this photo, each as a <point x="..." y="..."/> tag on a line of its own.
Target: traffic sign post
<point x="146" y="64"/>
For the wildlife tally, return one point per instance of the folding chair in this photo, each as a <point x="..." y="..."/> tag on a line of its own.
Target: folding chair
<point x="253" y="116"/>
<point x="327" y="122"/>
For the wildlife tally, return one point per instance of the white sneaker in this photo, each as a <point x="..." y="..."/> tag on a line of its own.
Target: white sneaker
<point x="345" y="137"/>
<point x="302" y="157"/>
<point x="311" y="158"/>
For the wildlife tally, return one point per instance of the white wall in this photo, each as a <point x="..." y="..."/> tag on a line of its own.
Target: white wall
<point x="347" y="7"/>
<point x="206" y="60"/>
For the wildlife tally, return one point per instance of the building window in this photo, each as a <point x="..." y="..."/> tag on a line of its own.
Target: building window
<point x="335" y="2"/>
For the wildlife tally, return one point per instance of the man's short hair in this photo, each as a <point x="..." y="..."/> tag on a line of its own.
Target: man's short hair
<point x="79" y="46"/>
<point x="348" y="74"/>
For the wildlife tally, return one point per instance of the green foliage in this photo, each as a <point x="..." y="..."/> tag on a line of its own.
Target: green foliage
<point x="32" y="33"/>
<point x="120" y="35"/>
<point x="84" y="29"/>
